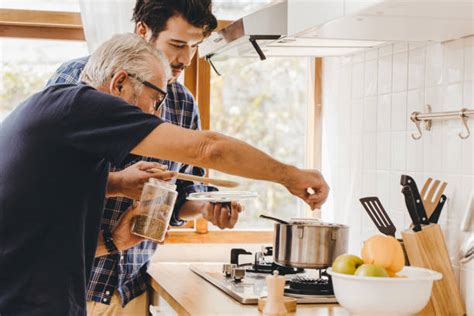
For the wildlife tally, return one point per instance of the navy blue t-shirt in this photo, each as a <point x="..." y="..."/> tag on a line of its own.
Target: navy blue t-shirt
<point x="55" y="150"/>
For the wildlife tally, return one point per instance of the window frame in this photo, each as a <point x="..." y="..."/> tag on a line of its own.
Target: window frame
<point x="197" y="78"/>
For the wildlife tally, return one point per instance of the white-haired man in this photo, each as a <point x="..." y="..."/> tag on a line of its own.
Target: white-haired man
<point x="56" y="150"/>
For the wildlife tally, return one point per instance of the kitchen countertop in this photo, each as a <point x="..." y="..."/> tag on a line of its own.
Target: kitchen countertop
<point x="189" y="294"/>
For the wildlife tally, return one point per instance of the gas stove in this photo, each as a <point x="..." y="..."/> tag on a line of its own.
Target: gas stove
<point x="245" y="282"/>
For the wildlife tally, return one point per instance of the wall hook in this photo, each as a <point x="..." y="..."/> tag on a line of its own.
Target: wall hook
<point x="464" y="119"/>
<point x="417" y="122"/>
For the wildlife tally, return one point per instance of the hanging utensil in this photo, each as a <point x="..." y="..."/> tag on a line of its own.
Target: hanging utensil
<point x="379" y="216"/>
<point x="437" y="212"/>
<point x="411" y="206"/>
<point x="430" y="200"/>
<point x="405" y="181"/>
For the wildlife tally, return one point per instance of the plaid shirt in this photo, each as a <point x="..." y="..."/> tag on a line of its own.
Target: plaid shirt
<point x="126" y="271"/>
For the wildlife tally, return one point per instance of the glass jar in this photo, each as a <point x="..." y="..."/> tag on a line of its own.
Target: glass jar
<point x="156" y="207"/>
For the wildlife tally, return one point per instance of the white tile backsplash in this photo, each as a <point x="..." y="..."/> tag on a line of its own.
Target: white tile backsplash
<point x="452" y="152"/>
<point x="370" y="151"/>
<point x="415" y="151"/>
<point x="434" y="96"/>
<point x="387" y="85"/>
<point x="468" y="156"/>
<point x="434" y="65"/>
<point x="454" y="61"/>
<point x="357" y="81"/>
<point x="357" y="115"/>
<point x="385" y="74"/>
<point x="400" y="72"/>
<point x="399" y="154"/>
<point x="453" y="97"/>
<point x="468" y="60"/>
<point x="370" y="114"/>
<point x="370" y="77"/>
<point x="399" y="112"/>
<point x="416" y="68"/>
<point x="384" y="112"/>
<point x="433" y="151"/>
<point x="468" y="96"/>
<point x="383" y="151"/>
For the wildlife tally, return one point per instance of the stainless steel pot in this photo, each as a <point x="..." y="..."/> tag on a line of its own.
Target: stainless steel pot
<point x="309" y="244"/>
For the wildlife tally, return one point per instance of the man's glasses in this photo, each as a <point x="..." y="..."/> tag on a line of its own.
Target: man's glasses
<point x="162" y="94"/>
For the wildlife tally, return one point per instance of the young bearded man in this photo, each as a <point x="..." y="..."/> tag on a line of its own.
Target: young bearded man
<point x="175" y="27"/>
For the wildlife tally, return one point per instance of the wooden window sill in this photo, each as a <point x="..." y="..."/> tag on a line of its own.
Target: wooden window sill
<point x="220" y="237"/>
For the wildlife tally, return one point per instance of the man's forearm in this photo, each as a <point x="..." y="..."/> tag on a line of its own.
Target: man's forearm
<point x="191" y="210"/>
<point x="113" y="185"/>
<point x="213" y="150"/>
<point x="233" y="156"/>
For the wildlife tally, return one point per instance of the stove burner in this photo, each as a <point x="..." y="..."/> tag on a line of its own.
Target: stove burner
<point x="310" y="286"/>
<point x="262" y="263"/>
<point x="270" y="267"/>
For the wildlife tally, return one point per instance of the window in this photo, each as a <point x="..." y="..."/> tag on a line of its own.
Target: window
<point x="265" y="104"/>
<point x="27" y="64"/>
<point x="235" y="9"/>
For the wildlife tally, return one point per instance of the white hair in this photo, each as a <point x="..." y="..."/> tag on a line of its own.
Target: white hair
<point x="128" y="52"/>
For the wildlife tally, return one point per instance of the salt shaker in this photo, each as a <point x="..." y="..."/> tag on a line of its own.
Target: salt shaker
<point x="275" y="305"/>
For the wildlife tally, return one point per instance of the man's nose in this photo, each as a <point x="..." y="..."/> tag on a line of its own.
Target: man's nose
<point x="186" y="56"/>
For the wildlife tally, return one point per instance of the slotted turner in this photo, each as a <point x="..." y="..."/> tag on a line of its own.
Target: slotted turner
<point x="431" y="194"/>
<point x="379" y="216"/>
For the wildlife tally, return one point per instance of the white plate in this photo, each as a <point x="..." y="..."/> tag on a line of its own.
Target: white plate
<point x="222" y="196"/>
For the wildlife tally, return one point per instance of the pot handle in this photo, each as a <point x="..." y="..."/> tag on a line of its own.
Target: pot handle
<point x="274" y="219"/>
<point x="300" y="232"/>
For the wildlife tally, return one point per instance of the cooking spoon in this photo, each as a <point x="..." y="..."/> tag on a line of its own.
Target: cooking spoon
<point x="188" y="177"/>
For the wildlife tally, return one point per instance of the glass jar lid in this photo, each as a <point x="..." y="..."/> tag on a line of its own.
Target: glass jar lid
<point x="164" y="184"/>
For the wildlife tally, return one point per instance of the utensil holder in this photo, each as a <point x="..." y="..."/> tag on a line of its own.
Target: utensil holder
<point x="427" y="249"/>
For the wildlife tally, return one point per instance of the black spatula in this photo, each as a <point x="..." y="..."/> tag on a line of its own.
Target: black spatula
<point x="379" y="216"/>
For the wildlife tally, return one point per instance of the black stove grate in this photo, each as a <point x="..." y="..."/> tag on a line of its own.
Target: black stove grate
<point x="310" y="286"/>
<point x="270" y="267"/>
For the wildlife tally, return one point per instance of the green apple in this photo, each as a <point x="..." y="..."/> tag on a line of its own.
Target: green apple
<point x="371" y="270"/>
<point x="346" y="264"/>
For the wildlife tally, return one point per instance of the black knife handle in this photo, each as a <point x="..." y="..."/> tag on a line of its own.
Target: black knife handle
<point x="420" y="208"/>
<point x="437" y="212"/>
<point x="411" y="206"/>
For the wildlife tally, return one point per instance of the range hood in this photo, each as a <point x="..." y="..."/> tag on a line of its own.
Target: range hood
<point x="338" y="27"/>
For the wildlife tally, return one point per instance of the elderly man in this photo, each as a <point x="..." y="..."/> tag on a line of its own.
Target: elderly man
<point x="176" y="27"/>
<point x="56" y="149"/>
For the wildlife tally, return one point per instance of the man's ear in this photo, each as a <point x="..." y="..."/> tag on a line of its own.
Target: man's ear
<point x="142" y="30"/>
<point x="117" y="82"/>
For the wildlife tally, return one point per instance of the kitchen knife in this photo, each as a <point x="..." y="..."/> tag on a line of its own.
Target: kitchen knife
<point x="411" y="206"/>
<point x="420" y="208"/>
<point x="437" y="212"/>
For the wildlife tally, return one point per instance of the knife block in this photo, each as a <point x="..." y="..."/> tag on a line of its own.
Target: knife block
<point x="427" y="249"/>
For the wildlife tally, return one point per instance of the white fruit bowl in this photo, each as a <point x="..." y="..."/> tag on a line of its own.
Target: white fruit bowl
<point x="404" y="295"/>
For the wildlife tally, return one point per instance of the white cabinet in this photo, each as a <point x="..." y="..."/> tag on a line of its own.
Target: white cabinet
<point x="402" y="20"/>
